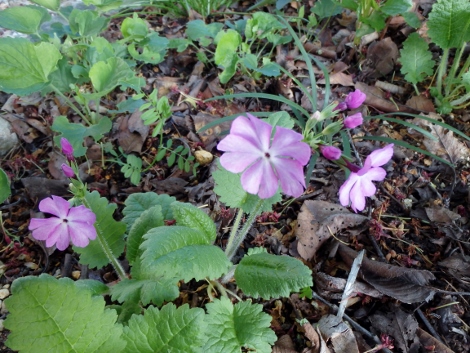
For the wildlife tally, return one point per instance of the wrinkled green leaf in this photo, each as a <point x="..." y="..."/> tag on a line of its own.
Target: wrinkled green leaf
<point x="237" y="328"/>
<point x="270" y="276"/>
<point x="87" y="23"/>
<point x="326" y="8"/>
<point x="226" y="53"/>
<point x="416" y="59"/>
<point x="192" y="217"/>
<point x="25" y="19"/>
<point x="170" y="329"/>
<point x="48" y="313"/>
<point x="182" y="252"/>
<point x="109" y="231"/>
<point x="106" y="76"/>
<point x="281" y="119"/>
<point x="49" y="4"/>
<point x="26" y="67"/>
<point x="396" y="7"/>
<point x="197" y="30"/>
<point x="134" y="27"/>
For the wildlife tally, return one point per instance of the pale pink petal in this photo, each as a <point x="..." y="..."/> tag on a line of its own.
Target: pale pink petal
<point x="57" y="206"/>
<point x="243" y="128"/>
<point x="263" y="130"/>
<point x="376" y="174"/>
<point x="237" y="162"/>
<point x="291" y="175"/>
<point x="288" y="143"/>
<point x="260" y="179"/>
<point x="41" y="227"/>
<point x="331" y="152"/>
<point x="81" y="236"/>
<point x="237" y="143"/>
<point x="367" y="187"/>
<point x="345" y="189"/>
<point x="59" y="236"/>
<point x="81" y="214"/>
<point x="358" y="200"/>
<point x="381" y="156"/>
<point x="353" y="121"/>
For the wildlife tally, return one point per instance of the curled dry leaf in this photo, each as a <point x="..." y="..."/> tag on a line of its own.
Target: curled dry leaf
<point x="380" y="59"/>
<point x="338" y="333"/>
<point x="131" y="132"/>
<point x="427" y="340"/>
<point x="421" y="103"/>
<point x="284" y="345"/>
<point x="458" y="264"/>
<point x="398" y="324"/>
<point x="328" y="285"/>
<point x="446" y="144"/>
<point x="375" y="97"/>
<point x="405" y="284"/>
<point x="441" y="214"/>
<point x="317" y="220"/>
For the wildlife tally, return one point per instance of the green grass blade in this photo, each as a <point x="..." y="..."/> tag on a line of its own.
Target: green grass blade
<point x="405" y="123"/>
<point x="230" y="118"/>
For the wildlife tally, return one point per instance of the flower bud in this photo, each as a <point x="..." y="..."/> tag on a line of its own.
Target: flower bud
<point x="330" y="152"/>
<point x="355" y="99"/>
<point x="67" y="149"/>
<point x="341" y="106"/>
<point x="353" y="121"/>
<point x="69" y="173"/>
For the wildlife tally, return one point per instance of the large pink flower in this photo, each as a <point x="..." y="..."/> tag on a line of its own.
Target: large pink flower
<point x="359" y="184"/>
<point x="69" y="224"/>
<point x="265" y="160"/>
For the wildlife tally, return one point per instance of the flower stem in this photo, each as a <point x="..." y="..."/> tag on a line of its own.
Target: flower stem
<point x="70" y="104"/>
<point x="237" y="237"/>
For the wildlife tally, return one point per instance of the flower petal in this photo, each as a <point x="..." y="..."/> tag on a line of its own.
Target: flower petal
<point x="81" y="236"/>
<point x="367" y="187"/>
<point x="376" y="174"/>
<point x="345" y="189"/>
<point x="41" y="227"/>
<point x="291" y="175"/>
<point x="237" y="143"/>
<point x="57" y="206"/>
<point x="58" y="236"/>
<point x="237" y="162"/>
<point x="81" y="214"/>
<point x="260" y="179"/>
<point x="381" y="156"/>
<point x="358" y="200"/>
<point x="263" y="131"/>
<point x="289" y="143"/>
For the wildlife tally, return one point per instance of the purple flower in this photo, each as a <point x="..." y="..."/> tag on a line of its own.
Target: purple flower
<point x="330" y="152"/>
<point x="69" y="224"/>
<point x="67" y="148"/>
<point x="68" y="171"/>
<point x="353" y="121"/>
<point x="341" y="106"/>
<point x="355" y="99"/>
<point x="264" y="160"/>
<point x="359" y="184"/>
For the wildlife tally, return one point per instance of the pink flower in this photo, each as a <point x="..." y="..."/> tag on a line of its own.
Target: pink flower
<point x="264" y="160"/>
<point x="341" y="106"/>
<point x="69" y="224"/>
<point x="67" y="148"/>
<point x="330" y="152"/>
<point x="69" y="173"/>
<point x="353" y="121"/>
<point x="355" y="99"/>
<point x="359" y="184"/>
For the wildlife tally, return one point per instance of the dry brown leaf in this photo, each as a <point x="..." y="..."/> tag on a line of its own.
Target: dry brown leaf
<point x="398" y="324"/>
<point x="317" y="220"/>
<point x="284" y="345"/>
<point x="39" y="188"/>
<point x="458" y="264"/>
<point x="55" y="162"/>
<point x="441" y="214"/>
<point x="338" y="333"/>
<point x="131" y="132"/>
<point x="405" y="284"/>
<point x="332" y="284"/>
<point x="338" y="78"/>
<point x="380" y="59"/>
<point x="447" y="145"/>
<point x="375" y="97"/>
<point x="427" y="340"/>
<point x="421" y="103"/>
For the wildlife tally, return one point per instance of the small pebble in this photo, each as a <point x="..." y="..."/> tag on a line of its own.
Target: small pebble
<point x="6" y="286"/>
<point x="4" y="293"/>
<point x="203" y="157"/>
<point x="1" y="325"/>
<point x="76" y="274"/>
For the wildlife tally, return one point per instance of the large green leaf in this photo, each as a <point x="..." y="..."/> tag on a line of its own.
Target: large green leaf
<point x="449" y="23"/>
<point x="109" y="231"/>
<point x="270" y="276"/>
<point x="24" y="19"/>
<point x="51" y="315"/>
<point x="197" y="30"/>
<point x="5" y="190"/>
<point x="25" y="67"/>
<point x="237" y="328"/>
<point x="87" y="23"/>
<point x="171" y="329"/>
<point x="396" y="7"/>
<point x="192" y="217"/>
<point x="137" y="203"/>
<point x="106" y="76"/>
<point x="182" y="252"/>
<point x="146" y="291"/>
<point x="416" y="59"/>
<point x="226" y="54"/>
<point x="151" y="218"/>
<point x="49" y="4"/>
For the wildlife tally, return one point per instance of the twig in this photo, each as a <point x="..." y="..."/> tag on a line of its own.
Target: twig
<point x="428" y="325"/>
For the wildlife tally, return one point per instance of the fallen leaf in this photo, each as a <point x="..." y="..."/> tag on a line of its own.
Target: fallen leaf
<point x="421" y="103"/>
<point x="40" y="188"/>
<point x="398" y="324"/>
<point x="170" y="186"/>
<point x="338" y="333"/>
<point x="427" y="340"/>
<point x="338" y="78"/>
<point x="317" y="220"/>
<point x="458" y="264"/>
<point x="446" y="144"/>
<point x="131" y="132"/>
<point x="284" y="344"/>
<point x="380" y="59"/>
<point x="55" y="162"/>
<point x="405" y="284"/>
<point x="441" y="214"/>
<point x="327" y="283"/>
<point x="375" y="97"/>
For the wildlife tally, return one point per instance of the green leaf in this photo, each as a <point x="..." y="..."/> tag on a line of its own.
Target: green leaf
<point x="153" y="49"/>
<point x="261" y="25"/>
<point x="183" y="253"/>
<point x="156" y="291"/>
<point x="47" y="314"/>
<point x="226" y="53"/>
<point x="416" y="59"/>
<point x="396" y="7"/>
<point x="192" y="217"/>
<point x="87" y="23"/>
<point x="93" y="286"/>
<point x="106" y="76"/>
<point x="270" y="276"/>
<point x="281" y="119"/>
<point x="412" y="19"/>
<point x="5" y="190"/>
<point x="132" y="169"/>
<point x="229" y="188"/>
<point x="151" y="218"/>
<point x="237" y="328"/>
<point x="197" y="30"/>
<point x="25" y="19"/>
<point x="134" y="27"/>
<point x="137" y="203"/>
<point x="269" y="69"/>
<point x="170" y="329"/>
<point x="449" y="23"/>
<point x="109" y="231"/>
<point x="62" y="78"/>
<point x="326" y="8"/>
<point x="26" y="67"/>
<point x="48" y="4"/>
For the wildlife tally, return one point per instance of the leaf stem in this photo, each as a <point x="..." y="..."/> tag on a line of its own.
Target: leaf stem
<point x="442" y="70"/>
<point x="70" y="104"/>
<point x="237" y="237"/>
